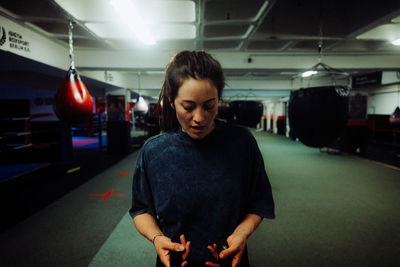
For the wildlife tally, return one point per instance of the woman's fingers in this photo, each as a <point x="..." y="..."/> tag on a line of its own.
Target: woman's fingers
<point x="187" y="250"/>
<point x="236" y="247"/>
<point x="186" y="246"/>
<point x="236" y="262"/>
<point x="183" y="240"/>
<point x="212" y="264"/>
<point x="237" y="259"/>
<point x="164" y="246"/>
<point x="165" y="259"/>
<point x="175" y="247"/>
<point x="213" y="250"/>
<point x="228" y="253"/>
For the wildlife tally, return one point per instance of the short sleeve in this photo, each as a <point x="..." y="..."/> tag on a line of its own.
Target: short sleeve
<point x="142" y="200"/>
<point x="261" y="201"/>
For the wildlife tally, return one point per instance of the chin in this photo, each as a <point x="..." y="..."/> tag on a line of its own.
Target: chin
<point x="197" y="136"/>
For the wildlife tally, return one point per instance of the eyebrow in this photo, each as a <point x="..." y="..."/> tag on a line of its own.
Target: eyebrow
<point x="192" y="102"/>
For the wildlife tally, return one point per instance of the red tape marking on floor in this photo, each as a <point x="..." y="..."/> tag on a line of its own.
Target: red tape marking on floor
<point x="105" y="196"/>
<point x="122" y="174"/>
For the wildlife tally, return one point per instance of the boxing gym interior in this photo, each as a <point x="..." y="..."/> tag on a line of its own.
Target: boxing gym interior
<point x="317" y="82"/>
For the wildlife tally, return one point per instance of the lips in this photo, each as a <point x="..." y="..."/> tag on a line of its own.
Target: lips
<point x="198" y="129"/>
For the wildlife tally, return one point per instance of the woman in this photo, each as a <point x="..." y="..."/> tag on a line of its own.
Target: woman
<point x="200" y="188"/>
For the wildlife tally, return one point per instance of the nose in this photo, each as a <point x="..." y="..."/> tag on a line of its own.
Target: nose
<point x="199" y="115"/>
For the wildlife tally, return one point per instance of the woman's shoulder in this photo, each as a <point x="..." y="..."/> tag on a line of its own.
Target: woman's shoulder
<point x="159" y="141"/>
<point x="234" y="129"/>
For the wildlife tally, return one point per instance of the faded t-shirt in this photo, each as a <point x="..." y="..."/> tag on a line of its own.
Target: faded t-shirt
<point x="201" y="188"/>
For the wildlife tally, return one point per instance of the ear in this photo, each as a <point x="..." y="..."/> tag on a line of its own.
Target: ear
<point x="171" y="103"/>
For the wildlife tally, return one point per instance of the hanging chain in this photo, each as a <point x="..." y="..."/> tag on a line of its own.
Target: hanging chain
<point x="320" y="46"/>
<point x="71" y="48"/>
<point x="139" y="74"/>
<point x="320" y="33"/>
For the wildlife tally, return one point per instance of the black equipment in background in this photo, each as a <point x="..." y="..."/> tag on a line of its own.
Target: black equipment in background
<point x="318" y="115"/>
<point x="247" y="113"/>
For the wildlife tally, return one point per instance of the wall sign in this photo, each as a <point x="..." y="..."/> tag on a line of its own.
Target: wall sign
<point x="374" y="78"/>
<point x="15" y="40"/>
<point x="3" y="36"/>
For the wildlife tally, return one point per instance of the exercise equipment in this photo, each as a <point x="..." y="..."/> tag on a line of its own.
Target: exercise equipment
<point x="395" y="117"/>
<point x="318" y="115"/>
<point x="73" y="102"/>
<point x="246" y="112"/>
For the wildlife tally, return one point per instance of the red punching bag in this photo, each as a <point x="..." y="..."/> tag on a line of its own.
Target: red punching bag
<point x="395" y="117"/>
<point x="73" y="102"/>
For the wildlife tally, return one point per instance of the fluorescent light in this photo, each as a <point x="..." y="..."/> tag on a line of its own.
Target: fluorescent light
<point x="396" y="42"/>
<point x="396" y="20"/>
<point x="382" y="32"/>
<point x="133" y="20"/>
<point x="162" y="11"/>
<point x="161" y="32"/>
<point x="175" y="31"/>
<point x="110" y="30"/>
<point x="308" y="73"/>
<point x="89" y="10"/>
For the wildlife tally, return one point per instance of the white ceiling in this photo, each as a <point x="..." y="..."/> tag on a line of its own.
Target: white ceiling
<point x="284" y="28"/>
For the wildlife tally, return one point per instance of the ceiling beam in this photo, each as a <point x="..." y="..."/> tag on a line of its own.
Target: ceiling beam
<point x="92" y="60"/>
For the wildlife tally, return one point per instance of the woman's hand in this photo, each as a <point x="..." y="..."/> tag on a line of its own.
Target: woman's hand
<point x="164" y="245"/>
<point x="237" y="244"/>
<point x="236" y="241"/>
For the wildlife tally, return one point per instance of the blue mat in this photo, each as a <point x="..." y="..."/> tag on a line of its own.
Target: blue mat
<point x="10" y="171"/>
<point x="81" y="142"/>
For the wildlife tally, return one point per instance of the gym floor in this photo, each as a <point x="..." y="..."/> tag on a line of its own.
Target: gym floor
<point x="331" y="210"/>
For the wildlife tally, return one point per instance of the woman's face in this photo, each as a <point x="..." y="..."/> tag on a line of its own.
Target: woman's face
<point x="196" y="106"/>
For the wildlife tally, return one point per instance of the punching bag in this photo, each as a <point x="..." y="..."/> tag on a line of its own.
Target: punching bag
<point x="318" y="115"/>
<point x="395" y="117"/>
<point x="247" y="113"/>
<point x="73" y="102"/>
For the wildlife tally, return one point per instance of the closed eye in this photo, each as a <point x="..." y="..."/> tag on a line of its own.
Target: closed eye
<point x="208" y="107"/>
<point x="188" y="108"/>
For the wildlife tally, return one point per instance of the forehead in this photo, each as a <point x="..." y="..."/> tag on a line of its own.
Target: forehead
<point x="197" y="90"/>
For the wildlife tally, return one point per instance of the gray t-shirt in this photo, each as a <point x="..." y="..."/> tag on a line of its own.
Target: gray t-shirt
<point x="201" y="188"/>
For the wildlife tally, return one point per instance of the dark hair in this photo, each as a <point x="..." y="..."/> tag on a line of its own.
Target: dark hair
<point x="184" y="65"/>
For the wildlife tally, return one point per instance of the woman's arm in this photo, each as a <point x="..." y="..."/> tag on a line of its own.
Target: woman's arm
<point x="147" y="226"/>
<point x="248" y="225"/>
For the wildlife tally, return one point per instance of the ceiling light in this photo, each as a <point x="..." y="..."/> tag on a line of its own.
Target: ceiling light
<point x="396" y="42"/>
<point x="89" y="10"/>
<point x="308" y="73"/>
<point x="382" y="32"/>
<point x="176" y="31"/>
<point x="322" y="69"/>
<point x="131" y="17"/>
